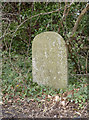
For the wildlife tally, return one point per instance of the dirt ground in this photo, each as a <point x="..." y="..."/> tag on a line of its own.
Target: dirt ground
<point x="43" y="109"/>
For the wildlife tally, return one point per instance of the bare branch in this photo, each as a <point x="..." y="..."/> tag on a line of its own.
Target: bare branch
<point x="66" y="10"/>
<point x="29" y="19"/>
<point x="33" y="17"/>
<point x="26" y="21"/>
<point x="79" y="18"/>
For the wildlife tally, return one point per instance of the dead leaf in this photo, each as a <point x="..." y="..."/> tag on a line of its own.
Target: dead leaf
<point x="57" y="98"/>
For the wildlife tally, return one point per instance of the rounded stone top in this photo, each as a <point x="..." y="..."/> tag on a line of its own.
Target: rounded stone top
<point x="49" y="32"/>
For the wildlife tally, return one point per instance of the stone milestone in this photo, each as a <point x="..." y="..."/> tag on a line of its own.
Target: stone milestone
<point x="49" y="60"/>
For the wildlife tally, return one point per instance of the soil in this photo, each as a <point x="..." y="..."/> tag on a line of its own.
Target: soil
<point x="43" y="109"/>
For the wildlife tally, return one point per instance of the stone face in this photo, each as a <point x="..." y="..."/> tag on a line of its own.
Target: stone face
<point x="49" y="60"/>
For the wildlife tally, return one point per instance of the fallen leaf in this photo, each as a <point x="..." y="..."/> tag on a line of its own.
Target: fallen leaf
<point x="63" y="103"/>
<point x="57" y="98"/>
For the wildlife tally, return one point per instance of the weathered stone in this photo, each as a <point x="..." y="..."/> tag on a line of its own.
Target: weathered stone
<point x="49" y="60"/>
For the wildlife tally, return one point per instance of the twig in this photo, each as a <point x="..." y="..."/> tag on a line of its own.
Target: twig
<point x="6" y="19"/>
<point x="10" y="14"/>
<point x="26" y="21"/>
<point x="87" y="63"/>
<point x="49" y="108"/>
<point x="66" y="12"/>
<point x="33" y="17"/>
<point x="79" y="18"/>
<point x="74" y="30"/>
<point x="80" y="74"/>
<point x="84" y="109"/>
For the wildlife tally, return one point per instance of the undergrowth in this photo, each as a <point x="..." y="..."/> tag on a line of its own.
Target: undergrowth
<point x="17" y="82"/>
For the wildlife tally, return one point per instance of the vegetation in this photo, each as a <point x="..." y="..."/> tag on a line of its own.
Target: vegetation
<point x="21" y="22"/>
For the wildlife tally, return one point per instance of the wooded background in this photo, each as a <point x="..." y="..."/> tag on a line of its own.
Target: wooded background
<point x="21" y="22"/>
